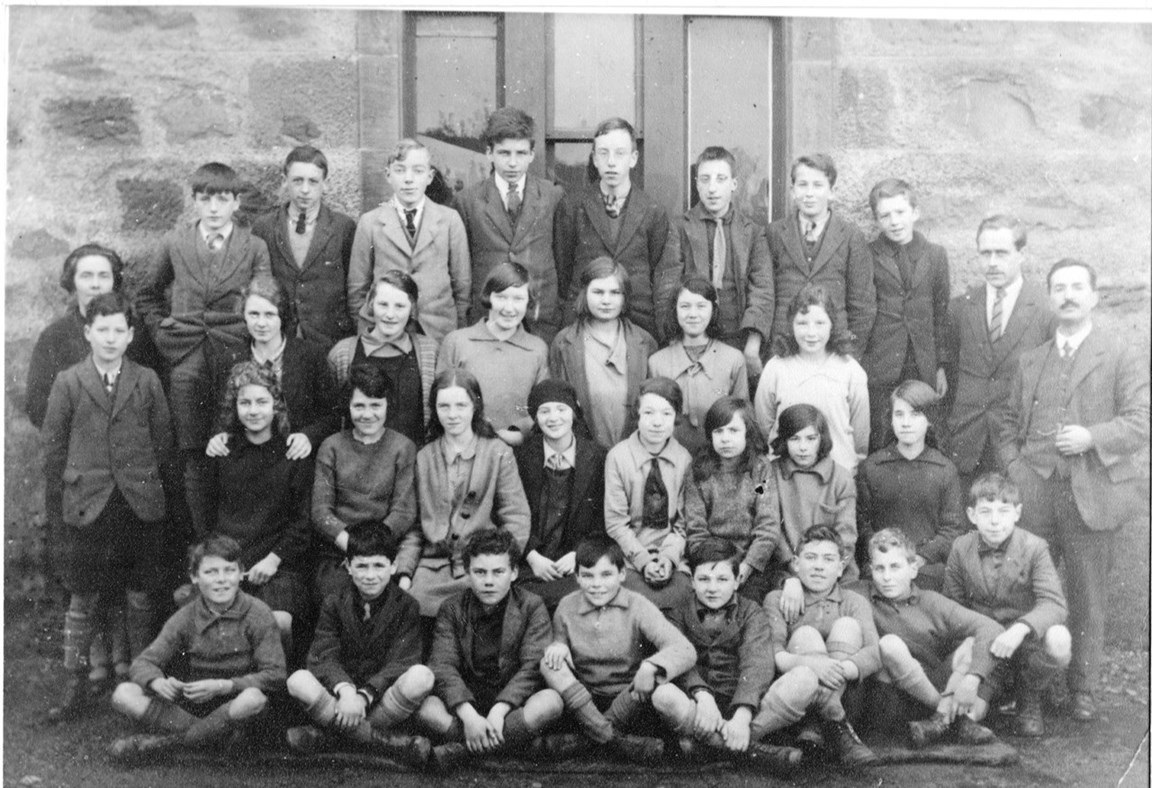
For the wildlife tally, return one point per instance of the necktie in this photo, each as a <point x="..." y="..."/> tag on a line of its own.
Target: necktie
<point x="367" y="611"/>
<point x="301" y="223"/>
<point x="1067" y="349"/>
<point x="555" y="462"/>
<point x="215" y="242"/>
<point x="655" y="499"/>
<point x="719" y="255"/>
<point x="810" y="232"/>
<point x="109" y="384"/>
<point x="410" y="218"/>
<point x="611" y="205"/>
<point x="513" y="203"/>
<point x="996" y="326"/>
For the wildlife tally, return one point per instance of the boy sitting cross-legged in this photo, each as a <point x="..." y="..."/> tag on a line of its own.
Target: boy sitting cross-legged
<point x="223" y="649"/>
<point x="486" y="654"/>
<point x="611" y="648"/>
<point x="928" y="641"/>
<point x="363" y="676"/>
<point x="731" y="701"/>
<point x="833" y="635"/>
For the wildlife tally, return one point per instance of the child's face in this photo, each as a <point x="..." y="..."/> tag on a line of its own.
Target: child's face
<point x="714" y="584"/>
<point x="217" y="580"/>
<point x="892" y="573"/>
<point x="391" y="309"/>
<point x="454" y="409"/>
<point x="804" y="446"/>
<point x="1000" y="260"/>
<point x="305" y="185"/>
<point x="897" y="218"/>
<point x="994" y="520"/>
<point x="255" y="410"/>
<point x="93" y="277"/>
<point x="555" y="420"/>
<point x="812" y="328"/>
<point x="109" y="337"/>
<point x="909" y="425"/>
<point x="657" y="421"/>
<point x="508" y="307"/>
<point x="491" y="576"/>
<point x="510" y="158"/>
<point x="730" y="440"/>
<point x="716" y="185"/>
<point x="693" y="313"/>
<point x="600" y="582"/>
<point x="409" y="177"/>
<point x="262" y="318"/>
<point x="614" y="156"/>
<point x="368" y="415"/>
<point x="811" y="192"/>
<point x="818" y="565"/>
<point x="605" y="298"/>
<point x="215" y="210"/>
<point x="370" y="574"/>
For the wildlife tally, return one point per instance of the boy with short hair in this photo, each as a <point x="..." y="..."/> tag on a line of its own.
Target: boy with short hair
<point x="111" y="476"/>
<point x="199" y="325"/>
<point x="513" y="216"/>
<point x="310" y="246"/>
<point x="718" y="241"/>
<point x="486" y="657"/>
<point x="209" y="671"/>
<point x="615" y="218"/>
<point x="611" y="648"/>
<point x="833" y="636"/>
<point x="729" y="700"/>
<point x="363" y="677"/>
<point x="413" y="234"/>
<point x="1007" y="574"/>
<point x="928" y="641"/>
<point x="909" y="337"/>
<point x="816" y="245"/>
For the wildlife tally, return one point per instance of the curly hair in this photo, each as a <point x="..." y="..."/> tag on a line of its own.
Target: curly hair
<point x="250" y="373"/>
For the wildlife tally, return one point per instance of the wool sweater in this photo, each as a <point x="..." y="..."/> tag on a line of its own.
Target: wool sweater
<point x="740" y="506"/>
<point x="821" y="495"/>
<point x="820" y="613"/>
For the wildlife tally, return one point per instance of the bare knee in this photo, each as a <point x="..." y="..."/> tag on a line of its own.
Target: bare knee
<point x="128" y="698"/>
<point x="302" y="685"/>
<point x="283" y="621"/>
<point x="962" y="657"/>
<point x="665" y="697"/>
<point x="547" y="703"/>
<point x="806" y="640"/>
<point x="892" y="648"/>
<point x="802" y="679"/>
<point x="846" y="629"/>
<point x="248" y="703"/>
<point x="556" y="678"/>
<point x="1058" y="644"/>
<point x="418" y="680"/>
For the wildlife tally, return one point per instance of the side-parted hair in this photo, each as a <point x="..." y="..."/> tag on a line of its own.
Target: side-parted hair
<point x="250" y="373"/>
<point x="713" y="549"/>
<point x="219" y="546"/>
<point x="113" y="303"/>
<point x="1003" y="221"/>
<point x="306" y="154"/>
<point x="796" y="418"/>
<point x="994" y="487"/>
<point x="614" y="124"/>
<point x="821" y="162"/>
<point x="717" y="153"/>
<point x="370" y="381"/>
<point x="839" y="342"/>
<point x="216" y="178"/>
<point x="591" y="549"/>
<point x="923" y="399"/>
<point x="510" y="274"/>
<point x="403" y="148"/>
<point x="491" y="541"/>
<point x="665" y="388"/>
<point x="723" y="410"/>
<point x="822" y="533"/>
<point x="269" y="288"/>
<point x="68" y="272"/>
<point x="372" y="538"/>
<point x="509" y="123"/>
<point x="404" y="283"/>
<point x="446" y="379"/>
<point x="1071" y="262"/>
<point x="892" y="539"/>
<point x="601" y="268"/>
<point x="701" y="286"/>
<point x="889" y="188"/>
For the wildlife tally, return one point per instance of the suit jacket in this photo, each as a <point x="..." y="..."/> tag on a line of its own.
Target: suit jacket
<point x="539" y="242"/>
<point x="645" y="247"/>
<point x="318" y="288"/>
<point x="439" y="263"/>
<point x="527" y="631"/>
<point x="917" y="313"/>
<point x="980" y="372"/>
<point x="843" y="266"/>
<point x="1108" y="394"/>
<point x="94" y="444"/>
<point x="585" y="514"/>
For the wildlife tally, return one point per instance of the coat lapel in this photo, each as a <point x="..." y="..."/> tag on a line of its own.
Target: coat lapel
<point x="1029" y="302"/>
<point x="395" y="233"/>
<point x="1091" y="353"/>
<point x="634" y="212"/>
<point x="529" y="211"/>
<point x="793" y="242"/>
<point x="320" y="235"/>
<point x="494" y="210"/>
<point x="129" y="379"/>
<point x="429" y="228"/>
<point x="594" y="209"/>
<point x="280" y="234"/>
<point x="886" y="261"/>
<point x="834" y="235"/>
<point x="90" y="380"/>
<point x="583" y="472"/>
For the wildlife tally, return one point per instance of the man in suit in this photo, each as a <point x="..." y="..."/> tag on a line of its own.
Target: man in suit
<point x="512" y="216"/>
<point x="1077" y="413"/>
<point x="984" y="343"/>
<point x="310" y="246"/>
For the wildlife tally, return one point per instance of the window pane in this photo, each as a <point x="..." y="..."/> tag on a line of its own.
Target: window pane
<point x="568" y="165"/>
<point x="730" y="100"/>
<point x="593" y="69"/>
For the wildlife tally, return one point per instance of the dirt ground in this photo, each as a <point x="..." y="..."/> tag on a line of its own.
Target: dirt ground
<point x="1113" y="751"/>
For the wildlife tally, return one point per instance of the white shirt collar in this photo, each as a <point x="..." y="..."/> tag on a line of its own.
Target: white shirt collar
<point x="400" y="211"/>
<point x="504" y="186"/>
<point x="568" y="455"/>
<point x="1011" y="294"/>
<point x="225" y="231"/>
<point x="1075" y="340"/>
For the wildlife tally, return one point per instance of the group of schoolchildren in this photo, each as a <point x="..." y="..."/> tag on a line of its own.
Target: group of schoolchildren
<point x="512" y="474"/>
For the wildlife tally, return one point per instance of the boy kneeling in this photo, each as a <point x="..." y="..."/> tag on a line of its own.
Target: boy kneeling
<point x="228" y="646"/>
<point x="363" y="676"/>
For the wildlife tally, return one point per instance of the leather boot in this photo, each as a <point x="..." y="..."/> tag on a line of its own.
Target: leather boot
<point x="142" y="747"/>
<point x="852" y="753"/>
<point x="450" y="756"/>
<point x="773" y="759"/>
<point x="305" y="739"/>
<point x="929" y="731"/>
<point x="639" y="749"/>
<point x="966" y="730"/>
<point x="408" y="750"/>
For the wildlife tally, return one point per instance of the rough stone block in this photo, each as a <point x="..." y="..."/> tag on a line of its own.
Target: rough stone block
<point x="1109" y="115"/>
<point x="103" y="119"/>
<point x="300" y="128"/>
<point x="261" y="192"/>
<point x="865" y="107"/>
<point x="195" y="117"/>
<point x="150" y="205"/>
<point x="269" y="24"/>
<point x="992" y="110"/>
<point x="38" y="244"/>
<point x="79" y="67"/>
<point x="322" y="90"/>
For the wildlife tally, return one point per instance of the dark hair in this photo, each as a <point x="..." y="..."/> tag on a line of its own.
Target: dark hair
<point x="458" y="376"/>
<point x="509" y="123"/>
<point x="822" y="533"/>
<point x="403" y="148"/>
<point x="614" y="124"/>
<point x="269" y="288"/>
<point x="601" y="268"/>
<point x="401" y="281"/>
<point x="491" y="541"/>
<point x="306" y="154"/>
<point x="994" y="487"/>
<point x="1071" y="262"/>
<point x="923" y="399"/>
<point x="701" y="286"/>
<point x="817" y="161"/>
<point x="216" y="178"/>
<point x="717" y="153"/>
<point x="439" y="191"/>
<point x="372" y="538"/>
<point x="113" y="303"/>
<point x="839" y="341"/>
<point x="1002" y="221"/>
<point x="370" y="380"/>
<point x="723" y="410"/>
<point x="713" y="549"/>
<point x="889" y="188"/>
<point x="250" y="373"/>
<point x="219" y="546"/>
<point x="591" y="549"/>
<point x="68" y="273"/>
<point x="505" y="275"/>
<point x="666" y="389"/>
<point x="557" y="390"/>
<point x="796" y="418"/>
<point x="892" y="539"/>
